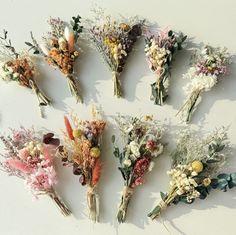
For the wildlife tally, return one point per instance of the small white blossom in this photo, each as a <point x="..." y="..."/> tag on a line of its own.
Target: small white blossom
<point x="134" y="147"/>
<point x="158" y="151"/>
<point x="152" y="164"/>
<point x="127" y="162"/>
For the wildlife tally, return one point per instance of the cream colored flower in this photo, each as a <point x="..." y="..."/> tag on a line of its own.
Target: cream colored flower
<point x="134" y="147"/>
<point x="158" y="151"/>
<point x="127" y="162"/>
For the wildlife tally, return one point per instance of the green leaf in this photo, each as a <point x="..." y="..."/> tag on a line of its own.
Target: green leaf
<point x="232" y="182"/>
<point x="156" y="211"/>
<point x="163" y="195"/>
<point x="113" y="138"/>
<point x="75" y="23"/>
<point x="29" y="44"/>
<point x="223" y="183"/>
<point x="212" y="161"/>
<point x="116" y="152"/>
<point x="233" y="177"/>
<point x="223" y="176"/>
<point x="219" y="148"/>
<point x="214" y="183"/>
<point x="184" y="199"/>
<point x="203" y="192"/>
<point x="125" y="173"/>
<point x="170" y="33"/>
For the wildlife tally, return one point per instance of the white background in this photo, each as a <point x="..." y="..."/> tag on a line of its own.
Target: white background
<point x="203" y="21"/>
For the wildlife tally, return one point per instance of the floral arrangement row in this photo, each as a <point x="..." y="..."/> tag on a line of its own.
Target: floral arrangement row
<point x="195" y="172"/>
<point x="115" y="40"/>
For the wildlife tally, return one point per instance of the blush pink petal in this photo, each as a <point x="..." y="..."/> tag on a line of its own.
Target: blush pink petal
<point x="23" y="154"/>
<point x="19" y="165"/>
<point x="48" y="151"/>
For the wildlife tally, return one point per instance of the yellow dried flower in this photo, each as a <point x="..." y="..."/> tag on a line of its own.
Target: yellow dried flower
<point x="95" y="152"/>
<point x="206" y="182"/>
<point x="124" y="26"/>
<point x="197" y="166"/>
<point x="148" y="118"/>
<point x="77" y="133"/>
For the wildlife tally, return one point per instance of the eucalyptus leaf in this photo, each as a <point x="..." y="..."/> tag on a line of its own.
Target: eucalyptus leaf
<point x="223" y="176"/>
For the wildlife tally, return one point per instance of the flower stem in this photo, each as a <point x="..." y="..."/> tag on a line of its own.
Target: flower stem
<point x="117" y="84"/>
<point x="189" y="106"/>
<point x="93" y="204"/>
<point x="63" y="208"/>
<point x="73" y="87"/>
<point x="163" y="204"/>
<point x="43" y="100"/>
<point x="159" y="91"/>
<point x="123" y="207"/>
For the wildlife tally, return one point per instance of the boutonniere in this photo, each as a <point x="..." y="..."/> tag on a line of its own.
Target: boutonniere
<point x="160" y="50"/>
<point x="208" y="66"/>
<point x="19" y="67"/>
<point x="59" y="49"/>
<point x="114" y="39"/>
<point x="29" y="155"/>
<point x="142" y="145"/>
<point x="196" y="169"/>
<point x="82" y="150"/>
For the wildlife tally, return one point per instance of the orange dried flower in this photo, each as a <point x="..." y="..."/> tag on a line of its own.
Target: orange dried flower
<point x="24" y="68"/>
<point x="63" y="59"/>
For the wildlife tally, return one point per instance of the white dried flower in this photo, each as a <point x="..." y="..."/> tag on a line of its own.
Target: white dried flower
<point x="194" y="173"/>
<point x="44" y="49"/>
<point x="152" y="164"/>
<point x="134" y="147"/>
<point x="127" y="162"/>
<point x="158" y="151"/>
<point x="67" y="33"/>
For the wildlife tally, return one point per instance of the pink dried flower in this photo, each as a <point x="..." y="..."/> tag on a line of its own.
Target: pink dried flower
<point x="18" y="136"/>
<point x="137" y="182"/>
<point x="151" y="145"/>
<point x="28" y="157"/>
<point x="16" y="164"/>
<point x="48" y="152"/>
<point x="24" y="154"/>
<point x="43" y="179"/>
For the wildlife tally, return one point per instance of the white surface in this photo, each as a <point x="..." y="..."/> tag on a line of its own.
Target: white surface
<point x="205" y="21"/>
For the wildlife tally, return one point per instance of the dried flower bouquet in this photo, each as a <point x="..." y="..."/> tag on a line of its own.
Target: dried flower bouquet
<point x="195" y="171"/>
<point x="81" y="149"/>
<point x="160" y="50"/>
<point x="59" y="49"/>
<point x="114" y="39"/>
<point x="29" y="155"/>
<point x="208" y="66"/>
<point x="19" y="67"/>
<point x="141" y="146"/>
